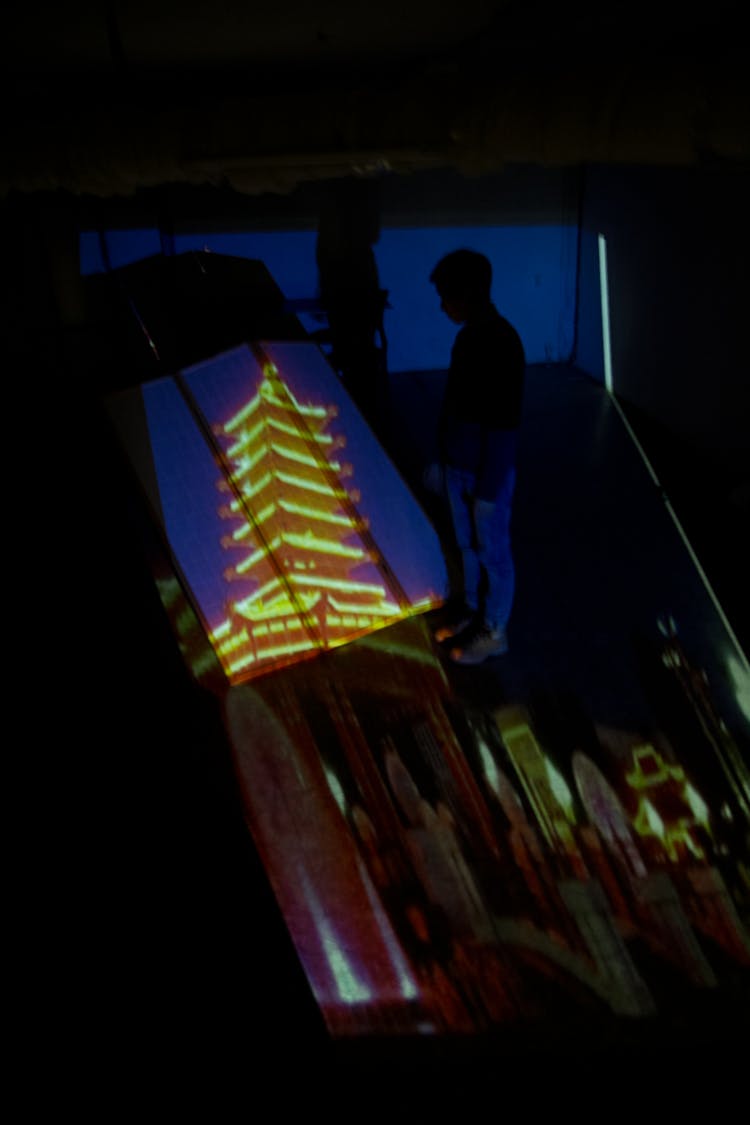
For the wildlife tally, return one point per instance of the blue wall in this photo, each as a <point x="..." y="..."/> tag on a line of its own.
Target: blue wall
<point x="534" y="279"/>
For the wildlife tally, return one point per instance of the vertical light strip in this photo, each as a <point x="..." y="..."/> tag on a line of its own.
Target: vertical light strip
<point x="608" y="382"/>
<point x="604" y="294"/>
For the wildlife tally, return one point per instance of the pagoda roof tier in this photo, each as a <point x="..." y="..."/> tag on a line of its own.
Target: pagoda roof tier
<point x="306" y="584"/>
<point x="279" y="405"/>
<point x="272" y="477"/>
<point x="257" y="608"/>
<point x="300" y="452"/>
<point x="300" y="460"/>
<point x="305" y="542"/>
<point x="258" y="433"/>
<point x="275" y="640"/>
<point x="286" y="515"/>
<point x="384" y="609"/>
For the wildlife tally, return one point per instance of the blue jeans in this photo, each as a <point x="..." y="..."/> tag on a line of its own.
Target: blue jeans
<point x="482" y="530"/>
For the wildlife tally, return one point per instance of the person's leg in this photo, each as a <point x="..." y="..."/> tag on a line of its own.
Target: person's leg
<point x="492" y="529"/>
<point x="458" y="485"/>
<point x="464" y="571"/>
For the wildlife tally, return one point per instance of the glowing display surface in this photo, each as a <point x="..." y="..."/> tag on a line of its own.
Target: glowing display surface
<point x="428" y="873"/>
<point x="286" y="547"/>
<point x="434" y="874"/>
<point x="439" y="870"/>
<point x="669" y="807"/>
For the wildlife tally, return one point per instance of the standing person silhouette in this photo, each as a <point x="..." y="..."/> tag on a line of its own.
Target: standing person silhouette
<point x="350" y="294"/>
<point x="477" y="440"/>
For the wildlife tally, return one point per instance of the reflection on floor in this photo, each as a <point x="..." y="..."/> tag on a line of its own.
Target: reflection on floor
<point x="552" y="849"/>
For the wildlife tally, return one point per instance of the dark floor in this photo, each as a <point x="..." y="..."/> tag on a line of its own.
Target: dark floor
<point x="599" y="556"/>
<point x="187" y="936"/>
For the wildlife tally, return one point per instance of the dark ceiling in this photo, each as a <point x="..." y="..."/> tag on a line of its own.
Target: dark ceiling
<point x="108" y="98"/>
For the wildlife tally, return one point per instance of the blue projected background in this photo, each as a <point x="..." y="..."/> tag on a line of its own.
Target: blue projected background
<point x="534" y="284"/>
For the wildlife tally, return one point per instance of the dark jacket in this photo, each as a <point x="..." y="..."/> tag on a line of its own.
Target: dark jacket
<point x="481" y="409"/>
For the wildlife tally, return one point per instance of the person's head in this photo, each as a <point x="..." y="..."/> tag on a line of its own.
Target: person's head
<point x="463" y="280"/>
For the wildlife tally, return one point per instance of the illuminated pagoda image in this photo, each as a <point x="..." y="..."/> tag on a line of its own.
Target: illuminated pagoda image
<point x="669" y="810"/>
<point x="318" y="578"/>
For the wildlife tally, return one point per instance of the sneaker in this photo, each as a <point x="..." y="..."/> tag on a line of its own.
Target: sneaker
<point x="456" y="618"/>
<point x="477" y="645"/>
